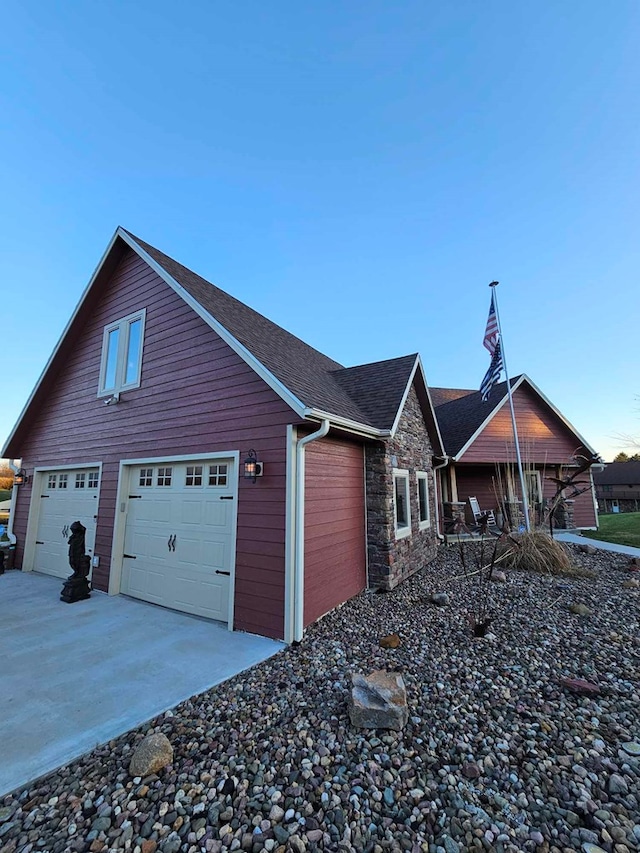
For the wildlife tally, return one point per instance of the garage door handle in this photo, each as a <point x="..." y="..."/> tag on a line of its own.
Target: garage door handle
<point x="171" y="544"/>
<point x="226" y="497"/>
<point x="218" y="572"/>
<point x="129" y="556"/>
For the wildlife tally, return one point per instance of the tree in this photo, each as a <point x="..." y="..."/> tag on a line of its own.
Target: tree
<point x="621" y="457"/>
<point x="6" y="477"/>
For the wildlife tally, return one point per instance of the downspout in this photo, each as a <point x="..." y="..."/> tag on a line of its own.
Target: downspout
<point x="435" y="468"/>
<point x="298" y="572"/>
<point x="12" y="508"/>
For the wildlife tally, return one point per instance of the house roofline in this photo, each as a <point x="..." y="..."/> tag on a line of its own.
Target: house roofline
<point x="246" y="355"/>
<point x="304" y="412"/>
<point x="523" y="378"/>
<point x="345" y="423"/>
<point x="396" y="423"/>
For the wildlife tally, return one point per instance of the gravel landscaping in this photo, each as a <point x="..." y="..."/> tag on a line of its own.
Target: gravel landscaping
<point x="498" y="754"/>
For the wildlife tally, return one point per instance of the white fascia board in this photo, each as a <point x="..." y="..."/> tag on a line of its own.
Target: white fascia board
<point x="85" y="293"/>
<point x="417" y="365"/>
<point x="523" y="378"/>
<point x="559" y="414"/>
<point x="396" y="421"/>
<point x="433" y="408"/>
<point x="246" y="355"/>
<point x="346" y="424"/>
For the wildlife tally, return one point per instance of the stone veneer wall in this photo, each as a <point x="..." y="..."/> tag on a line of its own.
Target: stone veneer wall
<point x="391" y="560"/>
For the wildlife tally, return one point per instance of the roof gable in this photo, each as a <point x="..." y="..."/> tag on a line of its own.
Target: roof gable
<point x="462" y="415"/>
<point x="365" y="399"/>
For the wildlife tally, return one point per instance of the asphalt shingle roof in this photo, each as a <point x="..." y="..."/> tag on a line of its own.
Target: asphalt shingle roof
<point x="618" y="474"/>
<point x="369" y="394"/>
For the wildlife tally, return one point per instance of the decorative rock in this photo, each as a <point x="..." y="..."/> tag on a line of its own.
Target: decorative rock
<point x="588" y="549"/>
<point x="391" y="641"/>
<point x="498" y="576"/>
<point x="617" y="784"/>
<point x="378" y="701"/>
<point x="470" y="770"/>
<point x="580" y="609"/>
<point x="154" y="753"/>
<point x="634" y="583"/>
<point x="441" y="599"/>
<point x="276" y="814"/>
<point x="592" y="848"/>
<point x="148" y="846"/>
<point x="580" y="686"/>
<point x="631" y="748"/>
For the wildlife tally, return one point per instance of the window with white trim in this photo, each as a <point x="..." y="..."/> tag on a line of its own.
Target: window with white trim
<point x="402" y="503"/>
<point x="164" y="476"/>
<point x="424" y="519"/>
<point x="93" y="480"/>
<point x="194" y="475"/>
<point x="52" y="481"/>
<point x="63" y="479"/>
<point x="146" y="477"/>
<point x="217" y="475"/>
<point x="122" y="354"/>
<point x="81" y="480"/>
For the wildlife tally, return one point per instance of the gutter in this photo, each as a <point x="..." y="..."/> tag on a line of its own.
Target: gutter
<point x="447" y="460"/>
<point x="12" y="508"/>
<point x="298" y="568"/>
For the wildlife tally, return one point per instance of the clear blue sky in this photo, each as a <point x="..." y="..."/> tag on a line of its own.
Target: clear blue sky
<point x="357" y="171"/>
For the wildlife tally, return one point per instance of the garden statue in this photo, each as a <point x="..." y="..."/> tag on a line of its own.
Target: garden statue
<point x="76" y="587"/>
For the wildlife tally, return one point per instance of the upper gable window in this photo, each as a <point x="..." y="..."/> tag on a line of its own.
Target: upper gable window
<point x="122" y="354"/>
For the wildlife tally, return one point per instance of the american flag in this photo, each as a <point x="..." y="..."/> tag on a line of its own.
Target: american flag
<point x="491" y="332"/>
<point x="492" y="376"/>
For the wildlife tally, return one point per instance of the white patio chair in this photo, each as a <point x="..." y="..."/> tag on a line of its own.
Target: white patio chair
<point x="478" y="513"/>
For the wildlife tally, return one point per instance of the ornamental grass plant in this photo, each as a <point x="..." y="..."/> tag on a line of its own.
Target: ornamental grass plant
<point x="535" y="551"/>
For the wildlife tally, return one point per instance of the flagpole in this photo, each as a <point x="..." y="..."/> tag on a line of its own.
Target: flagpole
<point x="525" y="500"/>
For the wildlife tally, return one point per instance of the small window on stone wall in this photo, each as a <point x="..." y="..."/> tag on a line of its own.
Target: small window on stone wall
<point x="402" y="504"/>
<point x="424" y="520"/>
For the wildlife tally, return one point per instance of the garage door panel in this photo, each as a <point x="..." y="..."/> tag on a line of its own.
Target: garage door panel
<point x="217" y="514"/>
<point x="58" y="509"/>
<point x="180" y="535"/>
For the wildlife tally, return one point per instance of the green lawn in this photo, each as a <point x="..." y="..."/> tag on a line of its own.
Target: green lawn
<point x="622" y="528"/>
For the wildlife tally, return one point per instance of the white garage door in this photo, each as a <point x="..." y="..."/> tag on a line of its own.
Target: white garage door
<point x="179" y="536"/>
<point x="66" y="496"/>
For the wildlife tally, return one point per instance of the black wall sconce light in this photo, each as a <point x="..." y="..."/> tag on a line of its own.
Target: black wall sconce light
<point x="20" y="477"/>
<point x="252" y="468"/>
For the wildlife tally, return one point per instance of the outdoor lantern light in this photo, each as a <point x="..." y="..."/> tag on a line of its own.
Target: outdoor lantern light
<point x="20" y="477"/>
<point x="252" y="468"/>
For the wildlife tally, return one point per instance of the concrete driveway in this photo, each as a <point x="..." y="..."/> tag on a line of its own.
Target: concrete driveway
<point x="76" y="675"/>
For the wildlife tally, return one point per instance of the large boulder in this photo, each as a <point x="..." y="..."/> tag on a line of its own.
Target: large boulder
<point x="154" y="753"/>
<point x="378" y="701"/>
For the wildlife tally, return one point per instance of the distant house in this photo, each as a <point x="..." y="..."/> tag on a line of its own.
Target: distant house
<point x="618" y="487"/>
<point x="478" y="438"/>
<point x="147" y="423"/>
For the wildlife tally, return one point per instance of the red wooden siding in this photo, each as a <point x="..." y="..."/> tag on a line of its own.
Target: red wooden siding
<point x="334" y="553"/>
<point x="196" y="396"/>
<point x="544" y="438"/>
